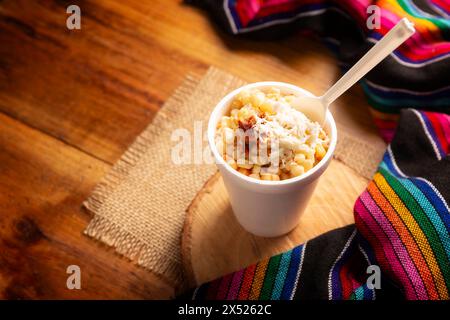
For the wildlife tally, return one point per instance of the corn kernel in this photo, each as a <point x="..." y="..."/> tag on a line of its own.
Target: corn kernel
<point x="244" y="171"/>
<point x="297" y="170"/>
<point x="320" y="152"/>
<point x="236" y="104"/>
<point x="243" y="97"/>
<point x="257" y="98"/>
<point x="244" y="165"/>
<point x="267" y="177"/>
<point x="308" y="164"/>
<point x="275" y="177"/>
<point x="266" y="107"/>
<point x="284" y="176"/>
<point x="287" y="166"/>
<point x="255" y="176"/>
<point x="245" y="113"/>
<point x="256" y="169"/>
<point x="310" y="155"/>
<point x="299" y="158"/>
<point x="322" y="134"/>
<point x="225" y="122"/>
<point x="232" y="163"/>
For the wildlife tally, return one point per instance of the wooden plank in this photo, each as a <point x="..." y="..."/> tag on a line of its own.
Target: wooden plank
<point x="43" y="183"/>
<point x="108" y="79"/>
<point x="96" y="88"/>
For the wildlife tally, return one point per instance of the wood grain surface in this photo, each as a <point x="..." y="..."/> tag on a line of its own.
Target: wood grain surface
<point x="71" y="101"/>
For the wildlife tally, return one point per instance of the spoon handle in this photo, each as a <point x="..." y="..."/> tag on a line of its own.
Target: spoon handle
<point x="394" y="38"/>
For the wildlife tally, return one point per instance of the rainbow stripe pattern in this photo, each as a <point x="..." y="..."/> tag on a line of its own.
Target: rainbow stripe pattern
<point x="402" y="219"/>
<point x="347" y="277"/>
<point x="402" y="229"/>
<point x="414" y="76"/>
<point x="273" y="278"/>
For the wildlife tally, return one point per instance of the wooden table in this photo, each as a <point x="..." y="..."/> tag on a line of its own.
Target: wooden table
<point x="71" y="101"/>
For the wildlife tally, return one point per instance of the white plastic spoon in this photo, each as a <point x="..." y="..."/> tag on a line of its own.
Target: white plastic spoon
<point x="316" y="107"/>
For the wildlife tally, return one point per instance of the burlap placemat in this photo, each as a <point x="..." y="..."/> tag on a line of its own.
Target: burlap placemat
<point x="139" y="206"/>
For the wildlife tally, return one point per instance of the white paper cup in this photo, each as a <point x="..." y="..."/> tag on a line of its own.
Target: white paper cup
<point x="268" y="208"/>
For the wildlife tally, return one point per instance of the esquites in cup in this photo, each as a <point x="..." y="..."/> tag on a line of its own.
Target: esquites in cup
<point x="270" y="156"/>
<point x="265" y="138"/>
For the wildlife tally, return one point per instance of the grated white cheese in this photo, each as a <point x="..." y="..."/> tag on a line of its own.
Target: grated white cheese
<point x="291" y="127"/>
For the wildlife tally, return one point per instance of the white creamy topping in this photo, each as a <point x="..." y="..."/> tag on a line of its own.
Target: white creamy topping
<point x="291" y="127"/>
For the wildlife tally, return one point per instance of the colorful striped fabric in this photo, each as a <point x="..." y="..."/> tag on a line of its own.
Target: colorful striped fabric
<point x="414" y="76"/>
<point x="403" y="214"/>
<point x="271" y="279"/>
<point x="402" y="219"/>
<point x="402" y="227"/>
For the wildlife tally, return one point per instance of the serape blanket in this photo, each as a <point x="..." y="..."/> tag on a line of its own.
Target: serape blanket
<point x="402" y="219"/>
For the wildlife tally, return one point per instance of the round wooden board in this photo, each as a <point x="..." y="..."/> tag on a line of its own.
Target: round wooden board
<point x="214" y="244"/>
